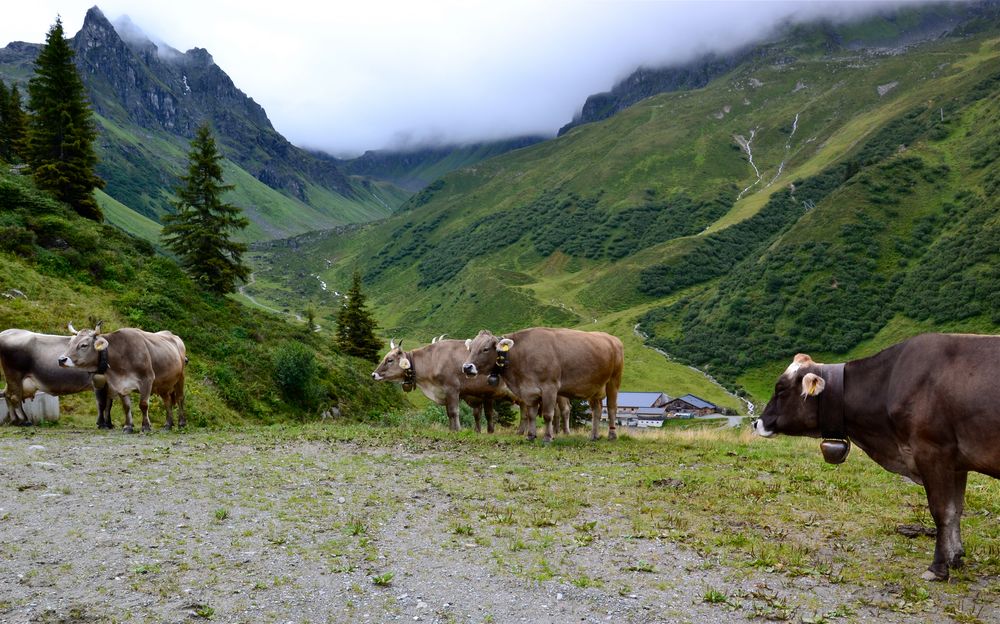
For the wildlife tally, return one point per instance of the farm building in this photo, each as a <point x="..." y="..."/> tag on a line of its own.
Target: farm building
<point x="634" y="407"/>
<point x="689" y="404"/>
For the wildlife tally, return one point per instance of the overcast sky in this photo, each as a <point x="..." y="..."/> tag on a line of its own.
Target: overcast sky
<point x="350" y="76"/>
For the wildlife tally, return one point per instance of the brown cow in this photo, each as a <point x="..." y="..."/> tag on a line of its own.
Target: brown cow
<point x="136" y="360"/>
<point x="436" y="370"/>
<point x="542" y="363"/>
<point x="28" y="362"/>
<point x="925" y="408"/>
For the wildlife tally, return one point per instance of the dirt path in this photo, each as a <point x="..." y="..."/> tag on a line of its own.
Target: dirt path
<point x="101" y="527"/>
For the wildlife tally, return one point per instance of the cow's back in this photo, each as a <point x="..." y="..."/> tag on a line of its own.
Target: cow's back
<point x="945" y="387"/>
<point x="578" y="361"/>
<point x="36" y="357"/>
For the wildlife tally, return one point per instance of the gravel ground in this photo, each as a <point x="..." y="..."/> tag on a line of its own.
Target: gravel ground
<point x="103" y="527"/>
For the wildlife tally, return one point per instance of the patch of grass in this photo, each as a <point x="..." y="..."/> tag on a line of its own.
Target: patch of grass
<point x="384" y="579"/>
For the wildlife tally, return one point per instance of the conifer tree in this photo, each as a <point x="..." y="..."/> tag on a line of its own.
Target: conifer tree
<point x="356" y="327"/>
<point x="199" y="232"/>
<point x="11" y="124"/>
<point x="61" y="133"/>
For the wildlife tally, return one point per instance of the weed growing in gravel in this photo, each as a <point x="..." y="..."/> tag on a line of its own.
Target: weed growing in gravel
<point x="384" y="579"/>
<point x="221" y="514"/>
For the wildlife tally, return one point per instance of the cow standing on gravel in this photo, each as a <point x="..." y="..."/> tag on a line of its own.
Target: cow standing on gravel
<point x="925" y="408"/>
<point x="435" y="370"/>
<point x="135" y="361"/>
<point x="439" y="380"/>
<point x="29" y="365"/>
<point x="542" y="363"/>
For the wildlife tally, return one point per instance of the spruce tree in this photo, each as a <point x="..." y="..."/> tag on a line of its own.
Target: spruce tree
<point x="11" y="124"/>
<point x="61" y="133"/>
<point x="356" y="327"/>
<point x="199" y="232"/>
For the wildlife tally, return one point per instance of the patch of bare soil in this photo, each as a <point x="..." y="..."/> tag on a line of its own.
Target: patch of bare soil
<point x="103" y="527"/>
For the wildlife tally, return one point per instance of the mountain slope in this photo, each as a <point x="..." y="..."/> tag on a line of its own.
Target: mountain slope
<point x="57" y="267"/>
<point x="678" y="209"/>
<point x="148" y="100"/>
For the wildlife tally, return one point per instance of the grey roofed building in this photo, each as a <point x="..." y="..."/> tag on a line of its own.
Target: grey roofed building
<point x="639" y="399"/>
<point x="697" y="402"/>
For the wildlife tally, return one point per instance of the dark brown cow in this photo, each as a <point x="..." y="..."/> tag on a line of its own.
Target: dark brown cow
<point x="29" y="365"/>
<point x="925" y="408"/>
<point x="436" y="370"/>
<point x="137" y="361"/>
<point x="542" y="363"/>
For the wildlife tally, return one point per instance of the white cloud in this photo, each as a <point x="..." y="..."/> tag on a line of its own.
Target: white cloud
<point x="348" y="76"/>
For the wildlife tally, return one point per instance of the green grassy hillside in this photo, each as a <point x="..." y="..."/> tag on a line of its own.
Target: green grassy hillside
<point x="867" y="167"/>
<point x="245" y="366"/>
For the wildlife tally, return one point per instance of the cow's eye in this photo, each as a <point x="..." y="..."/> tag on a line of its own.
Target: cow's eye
<point x="82" y="346"/>
<point x="485" y="349"/>
<point x="389" y="361"/>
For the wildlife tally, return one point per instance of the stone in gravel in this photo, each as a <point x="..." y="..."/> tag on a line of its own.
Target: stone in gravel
<point x="36" y="447"/>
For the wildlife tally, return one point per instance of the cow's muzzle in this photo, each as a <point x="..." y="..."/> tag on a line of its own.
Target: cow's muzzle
<point x="470" y="369"/>
<point x="376" y="376"/>
<point x="757" y="425"/>
<point x="65" y="362"/>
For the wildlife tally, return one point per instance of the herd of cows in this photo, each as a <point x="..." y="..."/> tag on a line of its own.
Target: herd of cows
<point x="114" y="364"/>
<point x="927" y="408"/>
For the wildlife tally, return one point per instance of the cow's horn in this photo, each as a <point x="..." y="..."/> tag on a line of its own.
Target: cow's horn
<point x="441" y="337"/>
<point x="392" y="343"/>
<point x="434" y="340"/>
<point x="97" y="327"/>
<point x="72" y="329"/>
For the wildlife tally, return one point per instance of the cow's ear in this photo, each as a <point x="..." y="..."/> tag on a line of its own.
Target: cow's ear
<point x="468" y="344"/>
<point x="505" y="344"/>
<point x="812" y="384"/>
<point x="404" y="363"/>
<point x="101" y="343"/>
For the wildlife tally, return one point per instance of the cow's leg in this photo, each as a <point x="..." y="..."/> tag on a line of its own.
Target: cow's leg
<point x="595" y="421"/>
<point x="179" y="400"/>
<point x="127" y="408"/>
<point x="144" y="406"/>
<point x="101" y="397"/>
<point x="168" y="405"/>
<point x="946" y="498"/>
<point x="611" y="392"/>
<point x="522" y="422"/>
<point x="548" y="401"/>
<point x="451" y="406"/>
<point x="530" y="409"/>
<point x="477" y="413"/>
<point x="564" y="413"/>
<point x="491" y="423"/>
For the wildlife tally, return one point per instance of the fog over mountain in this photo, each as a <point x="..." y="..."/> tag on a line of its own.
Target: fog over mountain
<point x="346" y="77"/>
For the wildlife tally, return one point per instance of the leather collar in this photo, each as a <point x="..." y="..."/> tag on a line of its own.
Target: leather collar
<point x="831" y="403"/>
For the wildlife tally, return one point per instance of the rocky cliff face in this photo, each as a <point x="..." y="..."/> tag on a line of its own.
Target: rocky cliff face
<point x="159" y="87"/>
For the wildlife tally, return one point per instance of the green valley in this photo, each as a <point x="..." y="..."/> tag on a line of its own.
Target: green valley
<point x="817" y="197"/>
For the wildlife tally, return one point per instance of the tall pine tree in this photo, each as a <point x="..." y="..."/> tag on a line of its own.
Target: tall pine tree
<point x="61" y="131"/>
<point x="199" y="232"/>
<point x="12" y="123"/>
<point x="356" y="327"/>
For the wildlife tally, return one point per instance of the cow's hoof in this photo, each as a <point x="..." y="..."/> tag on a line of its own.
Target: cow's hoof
<point x="594" y="438"/>
<point x="147" y="430"/>
<point x="931" y="575"/>
<point x="167" y="427"/>
<point x="612" y="435"/>
<point x="127" y="429"/>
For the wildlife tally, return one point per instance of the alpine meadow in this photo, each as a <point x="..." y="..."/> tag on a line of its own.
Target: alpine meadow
<point x="671" y="250"/>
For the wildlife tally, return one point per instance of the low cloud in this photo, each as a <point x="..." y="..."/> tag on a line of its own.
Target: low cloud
<point x="346" y="77"/>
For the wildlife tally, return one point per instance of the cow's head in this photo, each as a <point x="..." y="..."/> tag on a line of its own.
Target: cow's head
<point x="793" y="408"/>
<point x="394" y="365"/>
<point x="84" y="350"/>
<point x="483" y="350"/>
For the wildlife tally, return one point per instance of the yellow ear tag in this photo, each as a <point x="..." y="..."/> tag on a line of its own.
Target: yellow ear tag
<point x="503" y="347"/>
<point x="404" y="363"/>
<point x="100" y="346"/>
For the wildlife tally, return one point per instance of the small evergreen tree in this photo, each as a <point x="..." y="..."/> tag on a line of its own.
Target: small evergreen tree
<point x="13" y="135"/>
<point x="356" y="327"/>
<point x="199" y="232"/>
<point x="61" y="133"/>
